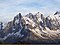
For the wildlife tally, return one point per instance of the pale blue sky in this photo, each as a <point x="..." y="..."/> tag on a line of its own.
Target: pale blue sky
<point x="9" y="8"/>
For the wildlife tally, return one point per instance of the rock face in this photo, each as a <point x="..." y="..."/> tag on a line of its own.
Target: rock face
<point x="32" y="29"/>
<point x="1" y="26"/>
<point x="53" y="21"/>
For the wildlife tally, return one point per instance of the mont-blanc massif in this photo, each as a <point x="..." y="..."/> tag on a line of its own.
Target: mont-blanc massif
<point x="31" y="28"/>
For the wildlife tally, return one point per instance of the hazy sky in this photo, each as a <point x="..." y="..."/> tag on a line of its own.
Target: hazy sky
<point x="9" y="8"/>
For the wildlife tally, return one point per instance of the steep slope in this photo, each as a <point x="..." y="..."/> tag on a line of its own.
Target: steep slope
<point x="53" y="21"/>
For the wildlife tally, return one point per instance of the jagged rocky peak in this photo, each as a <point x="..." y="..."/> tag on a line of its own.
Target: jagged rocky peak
<point x="53" y="21"/>
<point x="39" y="14"/>
<point x="30" y="15"/>
<point x="58" y="12"/>
<point x="18" y="16"/>
<point x="1" y="25"/>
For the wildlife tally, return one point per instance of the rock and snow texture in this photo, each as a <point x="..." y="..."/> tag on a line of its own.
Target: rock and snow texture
<point x="53" y="21"/>
<point x="32" y="29"/>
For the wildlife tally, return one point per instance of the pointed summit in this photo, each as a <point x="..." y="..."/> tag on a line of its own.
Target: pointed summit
<point x="39" y="15"/>
<point x="20" y="15"/>
<point x="58" y="12"/>
<point x="30" y="15"/>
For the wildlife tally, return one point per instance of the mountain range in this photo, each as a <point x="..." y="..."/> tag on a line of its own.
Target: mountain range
<point x="32" y="28"/>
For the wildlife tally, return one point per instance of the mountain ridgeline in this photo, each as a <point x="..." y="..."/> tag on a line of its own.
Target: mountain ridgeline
<point x="32" y="28"/>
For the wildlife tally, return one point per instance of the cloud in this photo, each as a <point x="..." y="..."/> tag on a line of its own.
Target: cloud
<point x="9" y="8"/>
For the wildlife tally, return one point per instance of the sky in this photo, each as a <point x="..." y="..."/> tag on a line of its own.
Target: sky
<point x="10" y="8"/>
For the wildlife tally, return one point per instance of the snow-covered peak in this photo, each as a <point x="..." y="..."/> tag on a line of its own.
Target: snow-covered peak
<point x="52" y="17"/>
<point x="30" y="15"/>
<point x="57" y="15"/>
<point x="39" y="15"/>
<point x="30" y="27"/>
